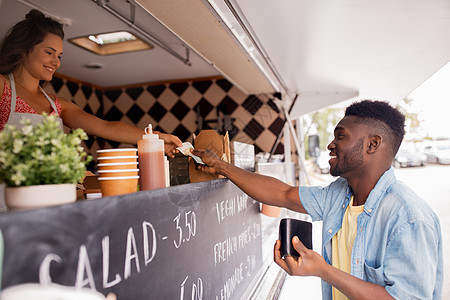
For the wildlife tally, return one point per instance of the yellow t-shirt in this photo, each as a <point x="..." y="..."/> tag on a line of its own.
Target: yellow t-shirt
<point x="342" y="243"/>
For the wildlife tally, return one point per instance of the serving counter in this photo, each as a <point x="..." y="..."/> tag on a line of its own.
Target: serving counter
<point x="198" y="241"/>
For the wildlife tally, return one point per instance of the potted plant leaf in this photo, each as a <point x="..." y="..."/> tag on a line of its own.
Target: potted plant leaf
<point x="40" y="164"/>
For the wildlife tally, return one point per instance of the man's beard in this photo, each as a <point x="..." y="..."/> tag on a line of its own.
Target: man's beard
<point x="349" y="160"/>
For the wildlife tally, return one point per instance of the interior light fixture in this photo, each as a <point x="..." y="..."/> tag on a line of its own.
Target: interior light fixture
<point x="111" y="43"/>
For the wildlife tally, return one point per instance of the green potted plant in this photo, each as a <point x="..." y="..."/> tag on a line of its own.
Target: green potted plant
<point x="40" y="164"/>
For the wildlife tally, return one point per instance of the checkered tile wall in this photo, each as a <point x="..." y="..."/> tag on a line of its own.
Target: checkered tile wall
<point x="177" y="107"/>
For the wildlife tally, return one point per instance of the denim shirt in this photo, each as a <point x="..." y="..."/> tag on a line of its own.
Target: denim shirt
<point x="398" y="244"/>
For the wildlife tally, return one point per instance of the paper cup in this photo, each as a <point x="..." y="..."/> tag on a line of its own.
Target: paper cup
<point x="117" y="159"/>
<point x="116" y="152"/>
<point x="117" y="166"/>
<point x="118" y="172"/>
<point x="118" y="185"/>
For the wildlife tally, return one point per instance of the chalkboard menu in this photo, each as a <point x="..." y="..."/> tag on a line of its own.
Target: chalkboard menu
<point x="193" y="241"/>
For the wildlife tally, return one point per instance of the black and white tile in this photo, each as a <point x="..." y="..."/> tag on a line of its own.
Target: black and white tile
<point x="174" y="108"/>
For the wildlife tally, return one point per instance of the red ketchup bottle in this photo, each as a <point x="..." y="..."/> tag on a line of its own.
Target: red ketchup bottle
<point x="151" y="161"/>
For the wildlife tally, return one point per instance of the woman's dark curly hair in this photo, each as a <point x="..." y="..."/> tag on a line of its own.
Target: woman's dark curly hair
<point x="380" y="115"/>
<point x="22" y="38"/>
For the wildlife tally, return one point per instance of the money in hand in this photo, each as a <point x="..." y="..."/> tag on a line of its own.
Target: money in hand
<point x="186" y="150"/>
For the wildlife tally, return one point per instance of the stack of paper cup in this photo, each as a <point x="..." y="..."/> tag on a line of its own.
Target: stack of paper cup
<point x="118" y="171"/>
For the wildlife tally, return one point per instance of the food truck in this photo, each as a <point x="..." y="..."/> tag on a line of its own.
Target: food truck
<point x="247" y="69"/>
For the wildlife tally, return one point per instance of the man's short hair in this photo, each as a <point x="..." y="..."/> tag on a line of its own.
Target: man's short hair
<point x="381" y="115"/>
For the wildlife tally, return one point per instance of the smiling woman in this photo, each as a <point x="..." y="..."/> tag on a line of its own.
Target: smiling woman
<point x="24" y="36"/>
<point x="30" y="54"/>
<point x="45" y="57"/>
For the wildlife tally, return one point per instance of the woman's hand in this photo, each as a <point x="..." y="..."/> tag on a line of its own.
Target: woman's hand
<point x="310" y="263"/>
<point x="171" y="142"/>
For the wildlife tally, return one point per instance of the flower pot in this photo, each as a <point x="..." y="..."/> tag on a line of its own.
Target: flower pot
<point x="270" y="211"/>
<point x="37" y="196"/>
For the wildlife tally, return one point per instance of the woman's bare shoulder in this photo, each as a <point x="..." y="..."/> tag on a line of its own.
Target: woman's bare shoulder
<point x="64" y="101"/>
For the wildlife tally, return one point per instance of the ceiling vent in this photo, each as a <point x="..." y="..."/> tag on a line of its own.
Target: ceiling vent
<point x="111" y="43"/>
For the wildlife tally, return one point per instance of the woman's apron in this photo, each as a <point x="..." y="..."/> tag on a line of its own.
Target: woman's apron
<point x="16" y="118"/>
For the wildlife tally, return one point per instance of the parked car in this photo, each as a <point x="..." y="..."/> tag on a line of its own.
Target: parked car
<point x="408" y="158"/>
<point x="439" y="153"/>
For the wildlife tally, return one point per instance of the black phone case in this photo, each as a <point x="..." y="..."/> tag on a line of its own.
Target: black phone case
<point x="292" y="227"/>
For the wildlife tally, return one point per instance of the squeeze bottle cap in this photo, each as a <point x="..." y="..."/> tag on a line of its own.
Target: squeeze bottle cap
<point x="149" y="133"/>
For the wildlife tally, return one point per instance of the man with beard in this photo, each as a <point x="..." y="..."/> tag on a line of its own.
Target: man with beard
<point x="380" y="240"/>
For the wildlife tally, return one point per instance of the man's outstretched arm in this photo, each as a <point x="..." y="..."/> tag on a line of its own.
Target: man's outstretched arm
<point x="265" y="189"/>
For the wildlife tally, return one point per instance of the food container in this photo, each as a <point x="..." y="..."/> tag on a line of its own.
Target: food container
<point x="118" y="173"/>
<point x="117" y="159"/>
<point x="117" y="152"/>
<point x="112" y="186"/>
<point x="118" y="165"/>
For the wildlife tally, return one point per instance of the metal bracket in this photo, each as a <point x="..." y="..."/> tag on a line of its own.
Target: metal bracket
<point x="145" y="34"/>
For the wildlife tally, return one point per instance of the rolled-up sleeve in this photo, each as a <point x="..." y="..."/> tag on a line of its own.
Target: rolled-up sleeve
<point x="320" y="201"/>
<point x="312" y="199"/>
